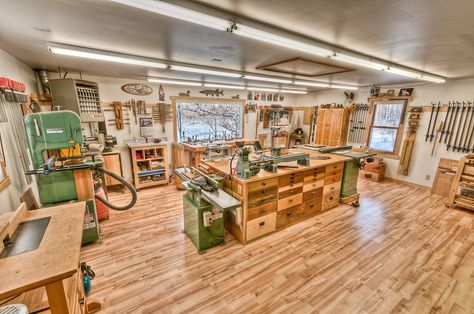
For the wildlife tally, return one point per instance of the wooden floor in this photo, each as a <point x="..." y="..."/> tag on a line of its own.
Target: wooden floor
<point x="401" y="251"/>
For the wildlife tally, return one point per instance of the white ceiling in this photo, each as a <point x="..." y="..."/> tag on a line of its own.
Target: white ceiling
<point x="430" y="35"/>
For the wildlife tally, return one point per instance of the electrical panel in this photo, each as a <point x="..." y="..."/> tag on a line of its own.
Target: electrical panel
<point x="79" y="96"/>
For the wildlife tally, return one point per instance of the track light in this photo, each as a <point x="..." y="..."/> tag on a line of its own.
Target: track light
<point x="177" y="12"/>
<point x="103" y="55"/>
<point x="266" y="79"/>
<point x="173" y="82"/>
<point x="204" y="71"/>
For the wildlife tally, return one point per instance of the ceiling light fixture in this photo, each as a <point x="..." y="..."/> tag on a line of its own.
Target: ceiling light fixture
<point x="266" y="79"/>
<point x="303" y="83"/>
<point x="288" y="91"/>
<point x="347" y="87"/>
<point x="358" y="61"/>
<point x="224" y="86"/>
<point x="103" y="55"/>
<point x="177" y="12"/>
<point x="432" y="79"/>
<point x="204" y="71"/>
<point x="173" y="82"/>
<point x="253" y="33"/>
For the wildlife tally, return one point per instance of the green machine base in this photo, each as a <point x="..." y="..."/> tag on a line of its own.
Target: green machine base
<point x="90" y="232"/>
<point x="203" y="237"/>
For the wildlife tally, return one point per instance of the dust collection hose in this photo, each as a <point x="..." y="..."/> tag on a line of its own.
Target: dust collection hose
<point x="125" y="183"/>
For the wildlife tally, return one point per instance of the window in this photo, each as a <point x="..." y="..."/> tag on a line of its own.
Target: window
<point x="385" y="128"/>
<point x="204" y="121"/>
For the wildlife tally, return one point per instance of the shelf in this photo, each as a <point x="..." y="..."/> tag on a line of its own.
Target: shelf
<point x="147" y="159"/>
<point x="150" y="172"/>
<point x="152" y="183"/>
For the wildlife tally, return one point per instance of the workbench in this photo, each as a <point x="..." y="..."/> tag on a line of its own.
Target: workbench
<point x="273" y="201"/>
<point x="52" y="267"/>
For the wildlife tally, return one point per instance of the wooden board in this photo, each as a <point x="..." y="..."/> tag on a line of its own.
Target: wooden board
<point x="444" y="176"/>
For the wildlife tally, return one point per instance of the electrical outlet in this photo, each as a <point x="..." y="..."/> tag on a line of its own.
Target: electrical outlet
<point x="427" y="177"/>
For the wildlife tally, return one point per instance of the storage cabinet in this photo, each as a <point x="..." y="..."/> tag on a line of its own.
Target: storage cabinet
<point x="149" y="164"/>
<point x="332" y="126"/>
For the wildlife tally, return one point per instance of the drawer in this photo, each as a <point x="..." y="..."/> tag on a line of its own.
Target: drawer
<point x="333" y="173"/>
<point x="315" y="177"/>
<point x="338" y="166"/>
<point x="312" y="194"/>
<point x="332" y="188"/>
<point x="308" y="186"/>
<point x="290" y="179"/>
<point x="286" y="192"/>
<point x="260" y="197"/>
<point x="265" y="209"/>
<point x="261" y="184"/>
<point x="314" y="172"/>
<point x="290" y="201"/>
<point x="311" y="206"/>
<point x="330" y="197"/>
<point x="288" y="216"/>
<point x="260" y="226"/>
<point x="333" y="179"/>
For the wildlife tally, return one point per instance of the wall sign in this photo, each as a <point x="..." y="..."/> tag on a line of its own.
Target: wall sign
<point x="137" y="89"/>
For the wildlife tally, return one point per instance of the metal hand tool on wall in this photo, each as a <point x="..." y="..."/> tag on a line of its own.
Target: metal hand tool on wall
<point x="463" y="145"/>
<point x="429" y="124"/>
<point x="459" y="145"/>
<point x="459" y="127"/>
<point x="434" y="122"/>
<point x="446" y="119"/>
<point x="453" y="126"/>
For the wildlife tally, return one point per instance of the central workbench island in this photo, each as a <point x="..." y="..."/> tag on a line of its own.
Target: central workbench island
<point x="272" y="201"/>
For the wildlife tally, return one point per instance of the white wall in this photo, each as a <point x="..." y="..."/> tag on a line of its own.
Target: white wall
<point x="422" y="163"/>
<point x="110" y="90"/>
<point x="15" y="70"/>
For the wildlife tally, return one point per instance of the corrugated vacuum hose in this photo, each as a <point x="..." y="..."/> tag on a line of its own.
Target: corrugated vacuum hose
<point x="125" y="183"/>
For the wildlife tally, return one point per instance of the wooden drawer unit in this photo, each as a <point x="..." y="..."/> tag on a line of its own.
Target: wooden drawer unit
<point x="286" y="192"/>
<point x="308" y="186"/>
<point x="331" y="195"/>
<point x="291" y="201"/>
<point x="314" y="172"/>
<point x="338" y="166"/>
<point x="260" y="226"/>
<point x="290" y="180"/>
<point x="288" y="216"/>
<point x="261" y="197"/>
<point x="312" y="194"/>
<point x="311" y="206"/>
<point x="259" y="211"/>
<point x="262" y="184"/>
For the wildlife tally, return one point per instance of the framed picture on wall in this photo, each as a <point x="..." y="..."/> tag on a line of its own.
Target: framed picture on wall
<point x="264" y="96"/>
<point x="250" y="96"/>
<point x="406" y="92"/>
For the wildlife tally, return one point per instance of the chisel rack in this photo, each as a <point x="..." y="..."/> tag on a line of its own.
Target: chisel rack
<point x="458" y="127"/>
<point x="357" y="122"/>
<point x="462" y="189"/>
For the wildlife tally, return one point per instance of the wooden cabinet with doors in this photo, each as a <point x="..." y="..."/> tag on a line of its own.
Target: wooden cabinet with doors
<point x="332" y="126"/>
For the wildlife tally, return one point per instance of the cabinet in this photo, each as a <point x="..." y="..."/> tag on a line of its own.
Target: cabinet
<point x="332" y="126"/>
<point x="149" y="164"/>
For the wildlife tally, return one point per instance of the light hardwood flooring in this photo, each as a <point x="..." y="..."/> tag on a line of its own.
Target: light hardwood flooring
<point x="402" y="250"/>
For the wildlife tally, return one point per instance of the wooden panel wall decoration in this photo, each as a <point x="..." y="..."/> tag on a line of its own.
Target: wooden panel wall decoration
<point x="407" y="148"/>
<point x="137" y="89"/>
<point x="332" y="126"/>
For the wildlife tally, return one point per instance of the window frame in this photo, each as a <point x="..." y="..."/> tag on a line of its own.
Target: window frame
<point x="203" y="100"/>
<point x="401" y="124"/>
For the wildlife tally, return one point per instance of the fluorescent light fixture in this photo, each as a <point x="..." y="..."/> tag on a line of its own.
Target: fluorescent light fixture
<point x="314" y="84"/>
<point x="204" y="71"/>
<point x="173" y="82"/>
<point x="403" y="72"/>
<point x="177" y="12"/>
<point x="103" y="56"/>
<point x="347" y="87"/>
<point x="266" y="79"/>
<point x="224" y="86"/>
<point x="433" y="79"/>
<point x="288" y="91"/>
<point x="358" y="61"/>
<point x="253" y="33"/>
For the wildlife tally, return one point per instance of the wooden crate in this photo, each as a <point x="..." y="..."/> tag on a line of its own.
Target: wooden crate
<point x="372" y="176"/>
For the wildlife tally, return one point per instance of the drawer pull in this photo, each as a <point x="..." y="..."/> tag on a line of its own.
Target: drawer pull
<point x="262" y="210"/>
<point x="289" y="201"/>
<point x="82" y="300"/>
<point x="261" y="223"/>
<point x="311" y="206"/>
<point x="263" y="183"/>
<point x="331" y="198"/>
<point x="289" y="214"/>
